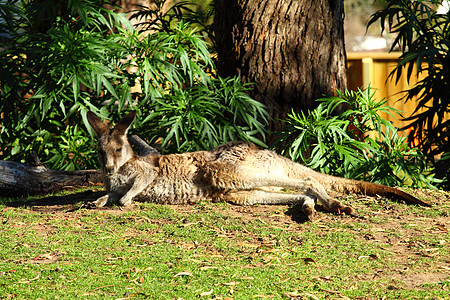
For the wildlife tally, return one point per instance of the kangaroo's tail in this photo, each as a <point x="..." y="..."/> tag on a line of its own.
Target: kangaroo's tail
<point x="347" y="186"/>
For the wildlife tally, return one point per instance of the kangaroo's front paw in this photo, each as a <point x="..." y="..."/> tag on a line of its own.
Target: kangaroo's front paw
<point x="125" y="201"/>
<point x="308" y="210"/>
<point x="100" y="202"/>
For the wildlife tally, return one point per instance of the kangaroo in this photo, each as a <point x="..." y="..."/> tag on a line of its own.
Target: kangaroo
<point x="237" y="172"/>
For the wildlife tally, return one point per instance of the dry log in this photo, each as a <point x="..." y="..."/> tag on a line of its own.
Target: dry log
<point x="18" y="179"/>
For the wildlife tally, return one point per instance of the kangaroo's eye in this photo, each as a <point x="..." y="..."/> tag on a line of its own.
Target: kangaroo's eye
<point x="118" y="149"/>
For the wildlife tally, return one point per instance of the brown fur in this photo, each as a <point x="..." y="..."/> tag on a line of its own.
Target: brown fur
<point x="237" y="172"/>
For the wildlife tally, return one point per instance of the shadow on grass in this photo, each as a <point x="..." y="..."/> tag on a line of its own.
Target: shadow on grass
<point x="84" y="199"/>
<point x="297" y="215"/>
<point x="76" y="199"/>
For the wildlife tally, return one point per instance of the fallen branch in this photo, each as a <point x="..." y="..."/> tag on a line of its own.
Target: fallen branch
<point x="18" y="179"/>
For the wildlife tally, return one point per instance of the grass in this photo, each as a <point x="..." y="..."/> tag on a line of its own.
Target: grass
<point x="53" y="248"/>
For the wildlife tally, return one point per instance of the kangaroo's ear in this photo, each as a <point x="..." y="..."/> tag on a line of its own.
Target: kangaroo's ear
<point x="122" y="127"/>
<point x="97" y="124"/>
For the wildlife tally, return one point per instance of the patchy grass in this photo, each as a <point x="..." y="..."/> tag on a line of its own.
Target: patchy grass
<point x="53" y="247"/>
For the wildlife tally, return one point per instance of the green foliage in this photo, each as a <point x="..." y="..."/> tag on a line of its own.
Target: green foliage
<point x="57" y="62"/>
<point x="201" y="117"/>
<point x="60" y="59"/>
<point x="442" y="170"/>
<point x="74" y="149"/>
<point x="423" y="36"/>
<point x="355" y="143"/>
<point x="199" y="14"/>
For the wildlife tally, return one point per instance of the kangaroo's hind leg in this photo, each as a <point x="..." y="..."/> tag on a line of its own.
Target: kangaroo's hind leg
<point x="245" y="177"/>
<point x="265" y="197"/>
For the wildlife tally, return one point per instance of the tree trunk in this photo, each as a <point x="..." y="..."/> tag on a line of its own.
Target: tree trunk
<point x="292" y="50"/>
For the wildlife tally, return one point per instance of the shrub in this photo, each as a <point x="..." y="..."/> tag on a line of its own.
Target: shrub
<point x="61" y="59"/>
<point x="354" y="143"/>
<point x="57" y="62"/>
<point x="201" y="117"/>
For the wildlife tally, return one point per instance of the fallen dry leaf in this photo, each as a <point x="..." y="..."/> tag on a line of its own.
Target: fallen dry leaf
<point x="429" y="253"/>
<point x="308" y="260"/>
<point x="292" y="294"/>
<point x="262" y="296"/>
<point x="44" y="256"/>
<point x="375" y="256"/>
<point x="273" y="250"/>
<point x="207" y="268"/>
<point x="190" y="223"/>
<point x="269" y="258"/>
<point x="137" y="281"/>
<point x="102" y="287"/>
<point x="325" y="278"/>
<point x="29" y="280"/>
<point x="204" y="294"/>
<point x="442" y="228"/>
<point x="185" y="273"/>
<point x="87" y="294"/>
<point x="186" y="246"/>
<point x="371" y="256"/>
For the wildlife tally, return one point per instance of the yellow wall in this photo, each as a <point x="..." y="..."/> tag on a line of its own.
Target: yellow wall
<point x="373" y="68"/>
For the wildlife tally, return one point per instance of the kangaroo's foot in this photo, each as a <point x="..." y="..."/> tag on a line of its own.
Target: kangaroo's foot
<point x="332" y="205"/>
<point x="109" y="198"/>
<point x="308" y="207"/>
<point x="336" y="206"/>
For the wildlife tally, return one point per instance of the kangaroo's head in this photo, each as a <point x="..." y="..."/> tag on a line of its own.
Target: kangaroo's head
<point x="114" y="150"/>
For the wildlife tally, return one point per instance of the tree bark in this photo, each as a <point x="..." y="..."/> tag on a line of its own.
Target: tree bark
<point x="292" y="50"/>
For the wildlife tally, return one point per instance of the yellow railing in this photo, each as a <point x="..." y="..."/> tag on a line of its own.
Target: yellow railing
<point x="373" y="68"/>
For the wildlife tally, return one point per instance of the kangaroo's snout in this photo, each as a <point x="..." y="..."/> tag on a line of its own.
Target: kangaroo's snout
<point x="110" y="170"/>
<point x="110" y="160"/>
